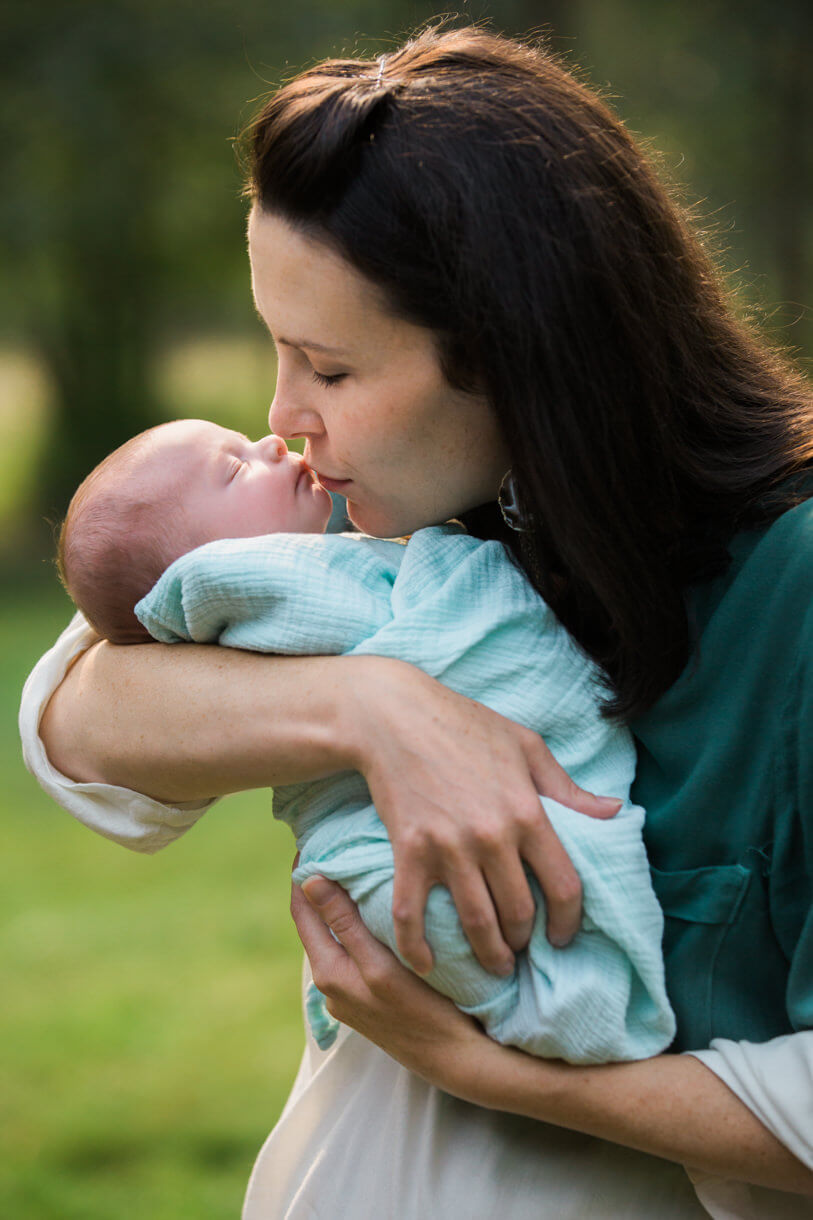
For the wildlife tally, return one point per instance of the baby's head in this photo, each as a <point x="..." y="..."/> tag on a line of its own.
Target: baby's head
<point x="165" y="492"/>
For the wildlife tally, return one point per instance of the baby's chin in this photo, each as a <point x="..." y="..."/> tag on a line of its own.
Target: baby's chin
<point x="324" y="500"/>
<point x="313" y="523"/>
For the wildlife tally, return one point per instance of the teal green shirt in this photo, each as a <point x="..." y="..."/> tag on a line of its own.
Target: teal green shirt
<point x="725" y="773"/>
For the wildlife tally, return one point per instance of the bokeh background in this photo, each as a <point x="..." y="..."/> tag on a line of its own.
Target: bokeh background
<point x="149" y="1024"/>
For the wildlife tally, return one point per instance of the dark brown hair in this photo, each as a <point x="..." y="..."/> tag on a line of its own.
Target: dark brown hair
<point x="500" y="203"/>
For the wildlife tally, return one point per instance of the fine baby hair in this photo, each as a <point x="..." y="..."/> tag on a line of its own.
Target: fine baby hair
<point x="119" y="534"/>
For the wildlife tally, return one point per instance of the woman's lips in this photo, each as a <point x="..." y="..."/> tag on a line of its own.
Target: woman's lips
<point x="333" y="484"/>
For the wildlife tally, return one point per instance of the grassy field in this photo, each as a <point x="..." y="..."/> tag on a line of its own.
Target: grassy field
<point x="150" y="1024"/>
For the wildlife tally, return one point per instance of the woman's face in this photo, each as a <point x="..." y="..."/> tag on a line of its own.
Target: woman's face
<point x="366" y="392"/>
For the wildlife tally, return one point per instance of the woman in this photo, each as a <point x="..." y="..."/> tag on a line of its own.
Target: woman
<point x="467" y="266"/>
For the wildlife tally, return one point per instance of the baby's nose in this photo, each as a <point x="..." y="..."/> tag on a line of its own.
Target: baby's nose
<point x="272" y="447"/>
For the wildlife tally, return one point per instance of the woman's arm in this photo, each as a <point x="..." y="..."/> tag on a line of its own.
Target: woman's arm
<point x="670" y="1106"/>
<point x="455" y="783"/>
<point x="187" y="722"/>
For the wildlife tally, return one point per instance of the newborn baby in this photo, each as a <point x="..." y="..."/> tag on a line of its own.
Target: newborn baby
<point x="454" y="605"/>
<point x="165" y="492"/>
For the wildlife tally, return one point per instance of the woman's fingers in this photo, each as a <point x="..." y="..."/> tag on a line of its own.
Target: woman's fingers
<point x="324" y="953"/>
<point x="336" y="912"/>
<point x="475" y="908"/>
<point x="411" y="888"/>
<point x="477" y="913"/>
<point x="512" y="897"/>
<point x="544" y="853"/>
<point x="552" y="780"/>
<point x="559" y="882"/>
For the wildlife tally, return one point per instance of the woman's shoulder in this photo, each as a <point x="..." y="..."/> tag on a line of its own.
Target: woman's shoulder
<point x="776" y="564"/>
<point x="752" y="626"/>
<point x="792" y="533"/>
<point x="769" y="579"/>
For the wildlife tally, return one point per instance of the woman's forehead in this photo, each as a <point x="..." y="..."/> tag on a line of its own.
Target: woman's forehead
<point x="309" y="296"/>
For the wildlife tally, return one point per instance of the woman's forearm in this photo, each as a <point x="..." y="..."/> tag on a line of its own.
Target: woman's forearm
<point x="186" y="722"/>
<point x="671" y="1106"/>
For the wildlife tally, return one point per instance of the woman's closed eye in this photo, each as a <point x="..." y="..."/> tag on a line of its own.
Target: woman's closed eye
<point x="325" y="380"/>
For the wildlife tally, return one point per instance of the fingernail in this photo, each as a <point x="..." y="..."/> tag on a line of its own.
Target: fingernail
<point x="505" y="968"/>
<point x="611" y="800"/>
<point x="316" y="890"/>
<point x="559" y="942"/>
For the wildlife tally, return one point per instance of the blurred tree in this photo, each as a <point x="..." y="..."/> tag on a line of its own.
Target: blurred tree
<point x="121" y="211"/>
<point x="782" y="169"/>
<point x="101" y="99"/>
<point x="726" y="93"/>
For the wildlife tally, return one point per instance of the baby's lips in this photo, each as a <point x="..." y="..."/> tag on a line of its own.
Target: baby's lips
<point x="311" y="471"/>
<point x="305" y="469"/>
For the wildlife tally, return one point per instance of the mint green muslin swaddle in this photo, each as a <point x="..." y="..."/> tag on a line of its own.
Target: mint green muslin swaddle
<point x="460" y="609"/>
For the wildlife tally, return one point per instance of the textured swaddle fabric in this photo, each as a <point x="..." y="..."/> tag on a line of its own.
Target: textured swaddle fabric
<point x="460" y="609"/>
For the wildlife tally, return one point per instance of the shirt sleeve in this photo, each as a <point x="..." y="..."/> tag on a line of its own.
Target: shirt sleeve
<point x="775" y="1081"/>
<point x="126" y="817"/>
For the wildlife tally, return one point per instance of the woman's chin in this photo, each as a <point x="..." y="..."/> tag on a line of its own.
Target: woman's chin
<point x="362" y="521"/>
<point x="380" y="524"/>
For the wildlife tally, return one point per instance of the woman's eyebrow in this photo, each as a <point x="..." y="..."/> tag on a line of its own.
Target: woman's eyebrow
<point x="316" y="347"/>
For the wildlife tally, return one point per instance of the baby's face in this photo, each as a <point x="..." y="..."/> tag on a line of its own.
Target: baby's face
<point x="231" y="487"/>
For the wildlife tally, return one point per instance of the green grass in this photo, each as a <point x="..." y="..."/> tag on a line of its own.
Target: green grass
<point x="150" y="1020"/>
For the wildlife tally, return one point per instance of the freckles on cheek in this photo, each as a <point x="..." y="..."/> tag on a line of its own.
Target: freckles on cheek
<point x="410" y="417"/>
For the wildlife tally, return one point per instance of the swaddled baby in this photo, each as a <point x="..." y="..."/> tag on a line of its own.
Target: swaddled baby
<point x="458" y="607"/>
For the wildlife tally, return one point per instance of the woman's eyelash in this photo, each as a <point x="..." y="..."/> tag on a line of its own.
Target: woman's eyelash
<point x="323" y="379"/>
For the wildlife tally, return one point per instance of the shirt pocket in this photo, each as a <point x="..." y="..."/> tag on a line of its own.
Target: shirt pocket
<point x="701" y="906"/>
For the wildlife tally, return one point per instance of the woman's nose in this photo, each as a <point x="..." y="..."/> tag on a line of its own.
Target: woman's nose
<point x="285" y="418"/>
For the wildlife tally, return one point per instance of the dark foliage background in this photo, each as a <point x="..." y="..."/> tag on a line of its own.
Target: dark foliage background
<point x="121" y="214"/>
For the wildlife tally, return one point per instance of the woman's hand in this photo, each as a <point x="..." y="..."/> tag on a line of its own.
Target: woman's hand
<point x="365" y="986"/>
<point x="457" y="786"/>
<point x="671" y="1106"/>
